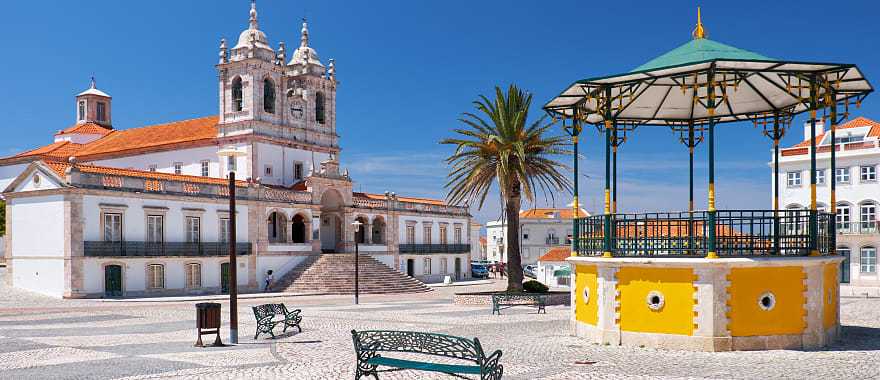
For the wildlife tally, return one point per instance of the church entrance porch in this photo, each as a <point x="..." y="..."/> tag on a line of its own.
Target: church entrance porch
<point x="332" y="229"/>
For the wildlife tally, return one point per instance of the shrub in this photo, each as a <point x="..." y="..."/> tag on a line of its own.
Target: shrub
<point x="532" y="286"/>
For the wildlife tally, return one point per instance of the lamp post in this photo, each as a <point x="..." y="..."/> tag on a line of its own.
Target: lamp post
<point x="357" y="228"/>
<point x="233" y="266"/>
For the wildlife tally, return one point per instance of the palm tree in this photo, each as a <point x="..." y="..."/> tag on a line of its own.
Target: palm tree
<point x="497" y="143"/>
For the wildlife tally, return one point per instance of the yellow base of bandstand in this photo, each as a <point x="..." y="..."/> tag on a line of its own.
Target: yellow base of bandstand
<point x="698" y="304"/>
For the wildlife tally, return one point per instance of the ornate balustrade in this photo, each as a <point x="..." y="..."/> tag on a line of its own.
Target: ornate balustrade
<point x="150" y="249"/>
<point x="676" y="234"/>
<point x="434" y="248"/>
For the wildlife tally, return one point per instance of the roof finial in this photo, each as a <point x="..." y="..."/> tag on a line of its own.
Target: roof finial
<point x="254" y="14"/>
<point x="304" y="40"/>
<point x="699" y="32"/>
<point x="92" y="84"/>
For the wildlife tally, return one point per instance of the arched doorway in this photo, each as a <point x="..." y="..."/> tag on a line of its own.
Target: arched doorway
<point x="360" y="235"/>
<point x="378" y="230"/>
<point x="113" y="281"/>
<point x="276" y="227"/>
<point x="332" y="230"/>
<point x="298" y="229"/>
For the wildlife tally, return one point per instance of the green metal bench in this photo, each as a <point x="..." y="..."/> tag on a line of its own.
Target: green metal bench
<point x="270" y="315"/>
<point x="503" y="301"/>
<point x="369" y="344"/>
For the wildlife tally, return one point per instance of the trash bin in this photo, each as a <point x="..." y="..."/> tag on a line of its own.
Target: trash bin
<point x="208" y="322"/>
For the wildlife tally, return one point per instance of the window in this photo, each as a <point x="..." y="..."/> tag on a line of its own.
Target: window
<point x="843" y="217"/>
<point x="101" y="111"/>
<point x="193" y="275"/>
<point x="224" y="230"/>
<point x="230" y="163"/>
<point x="155" y="228"/>
<point x="426" y="266"/>
<point x="297" y="171"/>
<point x="268" y="96"/>
<point x="410" y="234"/>
<point x="267" y="170"/>
<point x="193" y="229"/>
<point x="426" y="234"/>
<point x="794" y="179"/>
<point x="457" y="235"/>
<point x="868" y="260"/>
<point x="236" y="95"/>
<point x="152" y="167"/>
<point x="820" y="176"/>
<point x="178" y="168"/>
<point x="81" y="110"/>
<point x="868" y="173"/>
<point x="205" y="164"/>
<point x="841" y="175"/>
<point x="112" y="226"/>
<point x="443" y="266"/>
<point x="525" y="234"/>
<point x="443" y="238"/>
<point x="319" y="107"/>
<point x="155" y="276"/>
<point x="868" y="215"/>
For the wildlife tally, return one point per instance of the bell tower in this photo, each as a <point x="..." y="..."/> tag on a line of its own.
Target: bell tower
<point x="93" y="106"/>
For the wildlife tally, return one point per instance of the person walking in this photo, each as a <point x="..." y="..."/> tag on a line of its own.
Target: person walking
<point x="269" y="279"/>
<point x="501" y="269"/>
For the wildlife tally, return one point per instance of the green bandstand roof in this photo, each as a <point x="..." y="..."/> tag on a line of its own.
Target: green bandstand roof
<point x="699" y="50"/>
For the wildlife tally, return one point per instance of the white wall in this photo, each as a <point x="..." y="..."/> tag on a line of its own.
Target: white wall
<point x="164" y="161"/>
<point x="282" y="160"/>
<point x="44" y="276"/>
<point x="135" y="271"/>
<point x="134" y="218"/>
<point x="435" y="228"/>
<point x="37" y="237"/>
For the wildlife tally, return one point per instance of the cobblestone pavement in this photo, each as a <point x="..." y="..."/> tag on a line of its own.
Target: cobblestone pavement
<point x="85" y="339"/>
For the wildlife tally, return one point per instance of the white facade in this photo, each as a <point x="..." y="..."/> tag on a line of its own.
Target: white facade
<point x="857" y="192"/>
<point x="540" y="230"/>
<point x="143" y="211"/>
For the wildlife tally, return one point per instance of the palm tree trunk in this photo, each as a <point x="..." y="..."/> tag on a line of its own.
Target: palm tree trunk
<point x="514" y="260"/>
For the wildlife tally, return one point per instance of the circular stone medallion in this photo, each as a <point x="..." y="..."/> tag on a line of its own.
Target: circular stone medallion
<point x="767" y="301"/>
<point x="655" y="300"/>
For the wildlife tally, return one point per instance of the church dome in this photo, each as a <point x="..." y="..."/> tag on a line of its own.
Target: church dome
<point x="305" y="54"/>
<point x="253" y="33"/>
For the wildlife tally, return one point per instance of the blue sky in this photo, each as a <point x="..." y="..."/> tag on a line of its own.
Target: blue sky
<point x="409" y="68"/>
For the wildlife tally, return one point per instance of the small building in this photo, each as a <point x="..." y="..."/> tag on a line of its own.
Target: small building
<point x="553" y="270"/>
<point x="540" y="230"/>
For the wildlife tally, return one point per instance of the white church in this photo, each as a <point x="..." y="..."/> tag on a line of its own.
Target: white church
<point x="131" y="212"/>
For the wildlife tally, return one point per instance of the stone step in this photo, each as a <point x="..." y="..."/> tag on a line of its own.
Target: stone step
<point x="334" y="274"/>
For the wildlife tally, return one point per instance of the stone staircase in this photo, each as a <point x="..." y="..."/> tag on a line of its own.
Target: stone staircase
<point x="333" y="273"/>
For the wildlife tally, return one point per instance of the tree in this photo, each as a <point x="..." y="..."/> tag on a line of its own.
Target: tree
<point x="498" y="144"/>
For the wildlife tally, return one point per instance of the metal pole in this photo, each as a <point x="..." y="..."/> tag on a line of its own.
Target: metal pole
<point x="575" y="132"/>
<point x="233" y="276"/>
<point x="776" y="137"/>
<point x="614" y="174"/>
<point x="814" y="221"/>
<point x="356" y="267"/>
<point x="832" y="176"/>
<point x="710" y="222"/>
<point x="609" y="123"/>
<point x="691" y="144"/>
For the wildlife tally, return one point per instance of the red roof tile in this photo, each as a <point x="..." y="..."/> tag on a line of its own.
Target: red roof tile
<point x="56" y="150"/>
<point x="548" y="213"/>
<point x="86" y="128"/>
<point x="60" y="167"/>
<point x="155" y="136"/>
<point x="860" y="121"/>
<point x="556" y="254"/>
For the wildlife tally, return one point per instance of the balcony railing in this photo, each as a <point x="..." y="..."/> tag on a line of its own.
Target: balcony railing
<point x="149" y="249"/>
<point x="738" y="233"/>
<point x="857" y="228"/>
<point x="551" y="241"/>
<point x="434" y="248"/>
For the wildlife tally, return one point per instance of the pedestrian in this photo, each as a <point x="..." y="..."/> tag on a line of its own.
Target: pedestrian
<point x="269" y="278"/>
<point x="501" y="269"/>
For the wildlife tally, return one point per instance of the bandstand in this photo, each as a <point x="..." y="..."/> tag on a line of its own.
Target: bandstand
<point x="708" y="280"/>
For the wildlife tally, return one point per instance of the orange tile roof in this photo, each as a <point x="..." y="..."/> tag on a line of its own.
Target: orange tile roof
<point x="86" y="128"/>
<point x="202" y="129"/>
<point x="860" y="121"/>
<point x="60" y="167"/>
<point x="61" y="149"/>
<point x="556" y="254"/>
<point x="546" y="213"/>
<point x="483" y="240"/>
<point x="429" y="201"/>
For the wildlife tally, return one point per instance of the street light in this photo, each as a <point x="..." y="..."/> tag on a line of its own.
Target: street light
<point x="357" y="228"/>
<point x="233" y="266"/>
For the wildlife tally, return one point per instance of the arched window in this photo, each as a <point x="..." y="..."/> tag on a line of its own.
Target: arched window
<point x="237" y="96"/>
<point x="868" y="216"/>
<point x="843" y="217"/>
<point x="298" y="231"/>
<point x="268" y="96"/>
<point x="360" y="235"/>
<point x="319" y="107"/>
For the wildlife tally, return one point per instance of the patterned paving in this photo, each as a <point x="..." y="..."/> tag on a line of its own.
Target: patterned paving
<point x="42" y="338"/>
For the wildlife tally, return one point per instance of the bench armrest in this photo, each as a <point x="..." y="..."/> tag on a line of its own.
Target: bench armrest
<point x="293" y="313"/>
<point x="490" y="365"/>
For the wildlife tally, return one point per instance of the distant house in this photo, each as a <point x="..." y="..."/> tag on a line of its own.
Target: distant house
<point x="540" y="230"/>
<point x="553" y="270"/>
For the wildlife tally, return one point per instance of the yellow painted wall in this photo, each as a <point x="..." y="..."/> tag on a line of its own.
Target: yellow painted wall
<point x="745" y="315"/>
<point x="677" y="286"/>
<point x="830" y="295"/>
<point x="587" y="277"/>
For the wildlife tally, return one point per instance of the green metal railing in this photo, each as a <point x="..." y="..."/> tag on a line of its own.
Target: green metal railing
<point x="152" y="249"/>
<point x="739" y="233"/>
<point x="434" y="248"/>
